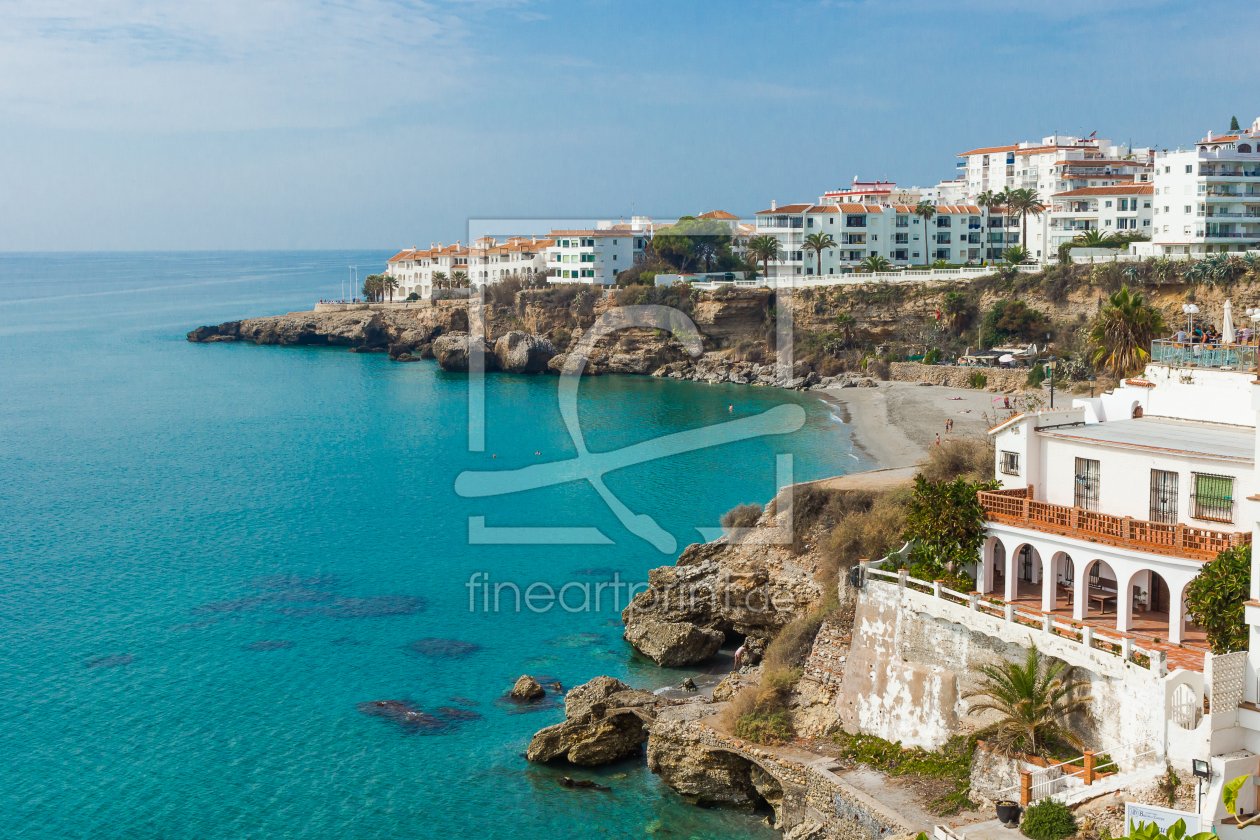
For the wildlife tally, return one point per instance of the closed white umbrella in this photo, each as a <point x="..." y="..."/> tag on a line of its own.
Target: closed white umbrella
<point x="1227" y="332"/>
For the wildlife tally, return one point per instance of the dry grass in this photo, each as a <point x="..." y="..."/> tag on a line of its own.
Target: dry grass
<point x="972" y="458"/>
<point x="741" y="516"/>
<point x="871" y="529"/>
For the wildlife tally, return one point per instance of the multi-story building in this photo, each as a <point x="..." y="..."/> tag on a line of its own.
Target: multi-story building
<point x="873" y="192"/>
<point x="596" y="256"/>
<point x="1055" y="164"/>
<point x="414" y="269"/>
<point x="1207" y="199"/>
<point x="864" y="230"/>
<point x="1119" y="209"/>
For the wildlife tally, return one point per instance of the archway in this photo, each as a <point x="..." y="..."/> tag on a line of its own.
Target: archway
<point x="744" y="783"/>
<point x="1096" y="592"/>
<point x="1058" y="593"/>
<point x="1025" y="577"/>
<point x="992" y="574"/>
<point x="1157" y="610"/>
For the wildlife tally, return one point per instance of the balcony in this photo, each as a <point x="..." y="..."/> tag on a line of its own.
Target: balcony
<point x="1222" y="356"/>
<point x="1013" y="507"/>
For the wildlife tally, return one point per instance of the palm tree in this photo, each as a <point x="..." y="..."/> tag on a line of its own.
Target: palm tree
<point x="459" y="279"/>
<point x="1004" y="200"/>
<point x="372" y="287"/>
<point x="1023" y="203"/>
<point x="986" y="201"/>
<point x="956" y="309"/>
<point x="1121" y="335"/>
<point x="845" y="321"/>
<point x="875" y="263"/>
<point x="816" y="243"/>
<point x="925" y="210"/>
<point x="389" y="283"/>
<point x="764" y="248"/>
<point x="1015" y="255"/>
<point x="1094" y="238"/>
<point x="942" y="263"/>
<point x="1034" y="701"/>
<point x="439" y="279"/>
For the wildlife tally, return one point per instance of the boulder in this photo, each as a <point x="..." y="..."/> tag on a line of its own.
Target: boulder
<point x="673" y="643"/>
<point x="527" y="688"/>
<point x="520" y="352"/>
<point x="604" y="721"/>
<point x="452" y="353"/>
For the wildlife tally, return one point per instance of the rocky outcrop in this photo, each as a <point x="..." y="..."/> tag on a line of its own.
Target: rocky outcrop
<point x="604" y="721"/>
<point x="678" y="753"/>
<point x="673" y="643"/>
<point x="520" y="352"/>
<point x="452" y="353"/>
<point x="399" y="331"/>
<point x="750" y="588"/>
<point x="527" y="688"/>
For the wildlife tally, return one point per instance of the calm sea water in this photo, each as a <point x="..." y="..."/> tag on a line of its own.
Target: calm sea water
<point x="210" y="555"/>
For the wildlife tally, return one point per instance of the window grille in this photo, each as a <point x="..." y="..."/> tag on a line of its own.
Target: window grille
<point x="1212" y="497"/>
<point x="1010" y="463"/>
<point x="1164" y="497"/>
<point x="1086" y="495"/>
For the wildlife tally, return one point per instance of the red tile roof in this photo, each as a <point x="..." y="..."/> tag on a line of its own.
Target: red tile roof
<point x="823" y="208"/>
<point x="717" y="214"/>
<point x="594" y="233"/>
<point x="956" y="208"/>
<point x="1114" y="189"/>
<point x="989" y="150"/>
<point x="787" y="208"/>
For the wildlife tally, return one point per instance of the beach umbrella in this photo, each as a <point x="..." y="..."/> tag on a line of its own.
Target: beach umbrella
<point x="1006" y="359"/>
<point x="1227" y="332"/>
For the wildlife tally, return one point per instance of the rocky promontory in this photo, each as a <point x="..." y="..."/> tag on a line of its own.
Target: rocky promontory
<point x="605" y="720"/>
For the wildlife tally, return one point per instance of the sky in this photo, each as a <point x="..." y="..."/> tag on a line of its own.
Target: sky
<point x="323" y="124"/>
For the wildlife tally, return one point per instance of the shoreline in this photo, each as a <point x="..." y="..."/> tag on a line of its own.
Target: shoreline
<point x="895" y="424"/>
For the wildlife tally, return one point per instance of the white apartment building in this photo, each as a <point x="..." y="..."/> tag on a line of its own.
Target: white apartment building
<point x="597" y="256"/>
<point x="414" y="268"/>
<point x="1122" y="208"/>
<point x="1056" y="164"/>
<point x="1207" y="199"/>
<point x="873" y="192"/>
<point x="955" y="234"/>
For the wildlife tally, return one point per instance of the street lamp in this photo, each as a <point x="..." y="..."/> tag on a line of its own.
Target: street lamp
<point x="1051" y="364"/>
<point x="1092" y="379"/>
<point x="1191" y="310"/>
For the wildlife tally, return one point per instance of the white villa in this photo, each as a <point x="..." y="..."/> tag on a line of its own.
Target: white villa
<point x="1124" y="207"/>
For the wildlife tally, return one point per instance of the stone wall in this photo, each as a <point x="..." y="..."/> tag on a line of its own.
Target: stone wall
<point x="998" y="380"/>
<point x="914" y="657"/>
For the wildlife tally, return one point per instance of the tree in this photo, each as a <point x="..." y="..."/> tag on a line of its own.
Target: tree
<point x="389" y="283"/>
<point x="1015" y="255"/>
<point x="1094" y="238"/>
<point x="1121" y="335"/>
<point x="1215" y="599"/>
<point x="1233" y="124"/>
<point x="1012" y="320"/>
<point x="764" y="248"/>
<point x="1034" y="701"/>
<point x="986" y="201"/>
<point x="875" y="263"/>
<point x="956" y="308"/>
<point x="439" y="279"/>
<point x="459" y="279"/>
<point x="816" y="243"/>
<point x="691" y="239"/>
<point x="1024" y="203"/>
<point x="372" y="287"/>
<point x="925" y="210"/>
<point x="945" y="521"/>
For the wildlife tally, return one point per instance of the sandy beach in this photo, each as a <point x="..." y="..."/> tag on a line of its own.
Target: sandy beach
<point x="896" y="423"/>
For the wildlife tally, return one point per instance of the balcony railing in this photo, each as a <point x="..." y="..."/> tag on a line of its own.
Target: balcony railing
<point x="1184" y="354"/>
<point x="1015" y="508"/>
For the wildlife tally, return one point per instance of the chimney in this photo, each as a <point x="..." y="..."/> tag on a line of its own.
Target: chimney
<point x="1209" y="134"/>
<point x="774" y="205"/>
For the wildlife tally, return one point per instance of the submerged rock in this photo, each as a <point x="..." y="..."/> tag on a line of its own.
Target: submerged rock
<point x="586" y="784"/>
<point x="604" y="721"/>
<point x="405" y="715"/>
<point x="673" y="643"/>
<point x="527" y="688"/>
<point x="443" y="648"/>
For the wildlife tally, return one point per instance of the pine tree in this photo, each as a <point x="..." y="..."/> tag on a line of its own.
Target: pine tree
<point x="1233" y="124"/>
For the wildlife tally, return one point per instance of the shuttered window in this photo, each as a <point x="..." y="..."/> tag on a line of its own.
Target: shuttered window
<point x="1212" y="498"/>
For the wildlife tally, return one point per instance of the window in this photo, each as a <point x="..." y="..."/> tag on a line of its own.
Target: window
<point x="811" y="222"/>
<point x="943" y="221"/>
<point x="855" y="221"/>
<point x="1108" y="202"/>
<point x="903" y="221"/>
<point x="1189" y="169"/>
<point x="1212" y="497"/>
<point x="1086" y="479"/>
<point x="1164" y="497"/>
<point x="1010" y="463"/>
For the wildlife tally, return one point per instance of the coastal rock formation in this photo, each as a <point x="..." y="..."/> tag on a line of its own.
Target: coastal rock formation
<point x="452" y="353"/>
<point x="399" y="331"/>
<point x="704" y="776"/>
<point x="527" y="688"/>
<point x="604" y="721"/>
<point x="673" y="643"/>
<point x="751" y="588"/>
<point x="520" y="352"/>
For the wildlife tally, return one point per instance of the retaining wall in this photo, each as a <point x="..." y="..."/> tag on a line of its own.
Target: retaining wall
<point x="955" y="376"/>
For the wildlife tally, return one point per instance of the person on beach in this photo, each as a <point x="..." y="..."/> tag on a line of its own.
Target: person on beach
<point x="938" y="438"/>
<point x="1006" y="402"/>
<point x="730" y="409"/>
<point x="739" y="656"/>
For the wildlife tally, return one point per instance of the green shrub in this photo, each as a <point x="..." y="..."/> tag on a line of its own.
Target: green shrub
<point x="1048" y="819"/>
<point x="1036" y="376"/>
<point x="1215" y="599"/>
<point x="413" y="296"/>
<point x="761" y="728"/>
<point x="933" y="357"/>
<point x="977" y="380"/>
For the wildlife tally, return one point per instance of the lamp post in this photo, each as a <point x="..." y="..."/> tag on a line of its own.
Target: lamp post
<point x="1092" y="379"/>
<point x="1051" y="364"/>
<point x="1191" y="310"/>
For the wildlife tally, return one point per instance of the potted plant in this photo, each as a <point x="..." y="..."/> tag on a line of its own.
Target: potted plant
<point x="1008" y="811"/>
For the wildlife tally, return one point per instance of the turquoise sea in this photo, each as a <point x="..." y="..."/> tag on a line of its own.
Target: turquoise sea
<point x="211" y="555"/>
